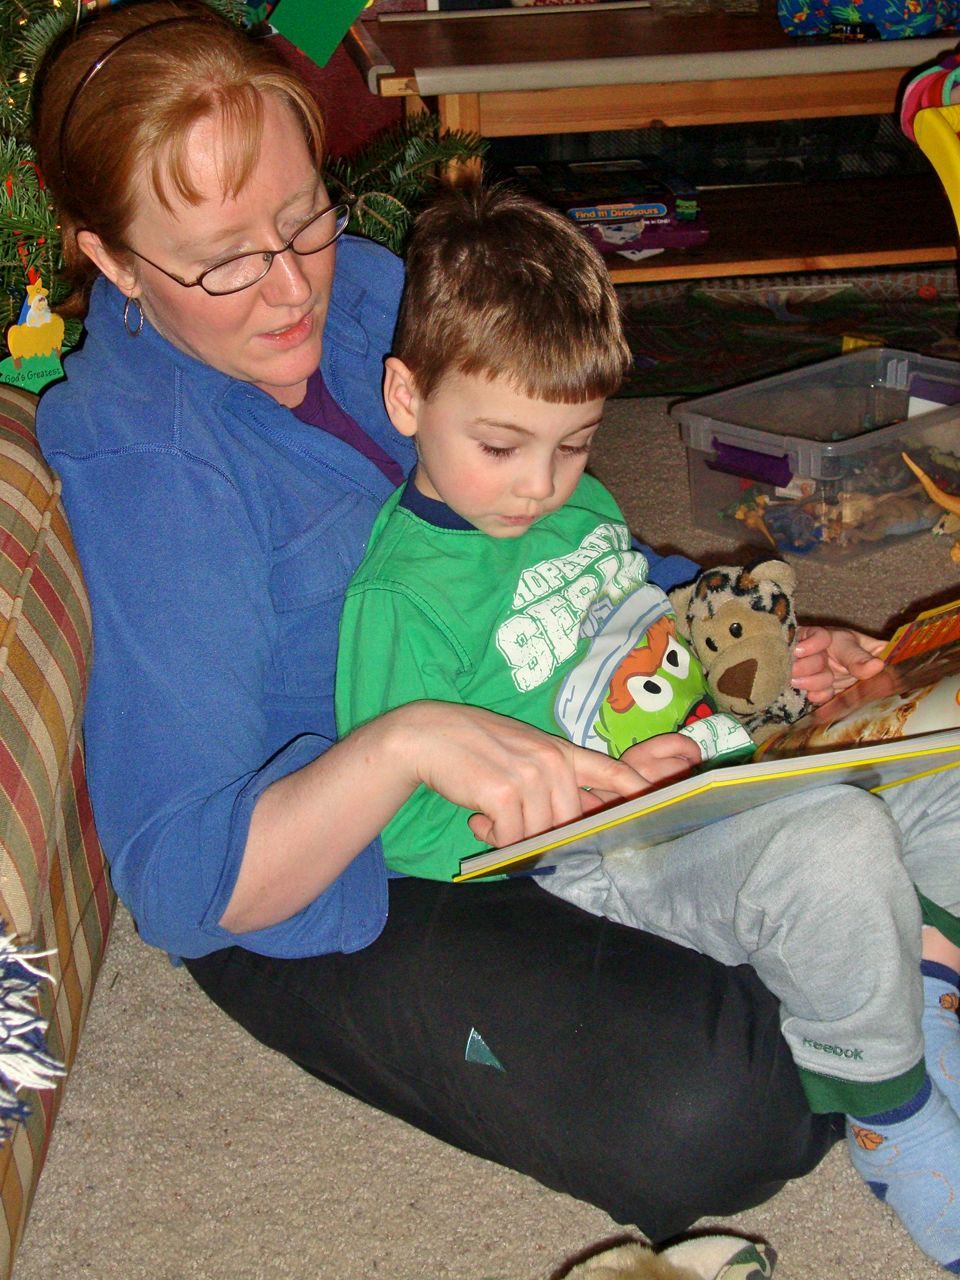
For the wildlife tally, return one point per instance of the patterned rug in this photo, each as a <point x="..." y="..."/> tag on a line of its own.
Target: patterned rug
<point x="694" y="337"/>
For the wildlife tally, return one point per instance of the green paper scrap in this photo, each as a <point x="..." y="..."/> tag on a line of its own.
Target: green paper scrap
<point x="316" y="27"/>
<point x="32" y="374"/>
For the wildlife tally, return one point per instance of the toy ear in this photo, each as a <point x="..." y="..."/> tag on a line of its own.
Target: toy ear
<point x="680" y="599"/>
<point x="782" y="575"/>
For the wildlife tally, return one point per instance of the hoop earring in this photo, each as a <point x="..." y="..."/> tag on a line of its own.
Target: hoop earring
<point x="130" y="303"/>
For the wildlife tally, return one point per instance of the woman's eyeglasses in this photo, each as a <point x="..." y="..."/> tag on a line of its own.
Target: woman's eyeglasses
<point x="317" y="233"/>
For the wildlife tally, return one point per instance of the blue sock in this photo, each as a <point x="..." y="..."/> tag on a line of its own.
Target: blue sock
<point x="910" y="1158"/>
<point x="941" y="1028"/>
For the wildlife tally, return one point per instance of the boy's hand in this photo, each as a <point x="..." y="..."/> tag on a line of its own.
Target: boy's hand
<point x="829" y="659"/>
<point x="664" y="758"/>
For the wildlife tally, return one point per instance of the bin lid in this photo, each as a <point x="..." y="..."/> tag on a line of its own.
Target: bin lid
<point x="835" y="400"/>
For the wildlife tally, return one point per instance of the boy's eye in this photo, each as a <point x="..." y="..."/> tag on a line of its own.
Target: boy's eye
<point x="493" y="452"/>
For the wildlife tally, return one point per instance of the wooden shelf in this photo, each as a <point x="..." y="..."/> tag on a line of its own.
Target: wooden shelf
<point x="812" y="226"/>
<point x="591" y="108"/>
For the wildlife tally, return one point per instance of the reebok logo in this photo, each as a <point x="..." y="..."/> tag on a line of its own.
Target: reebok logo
<point x="837" y="1050"/>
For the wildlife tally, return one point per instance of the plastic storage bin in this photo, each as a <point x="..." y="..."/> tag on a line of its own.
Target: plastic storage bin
<point x="810" y="460"/>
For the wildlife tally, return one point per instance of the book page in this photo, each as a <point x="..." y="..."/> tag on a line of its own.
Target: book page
<point x="679" y="807"/>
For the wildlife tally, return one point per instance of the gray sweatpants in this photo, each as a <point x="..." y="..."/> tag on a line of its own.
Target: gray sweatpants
<point x="816" y="892"/>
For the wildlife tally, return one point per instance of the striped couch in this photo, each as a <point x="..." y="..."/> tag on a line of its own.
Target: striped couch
<point x="54" y="890"/>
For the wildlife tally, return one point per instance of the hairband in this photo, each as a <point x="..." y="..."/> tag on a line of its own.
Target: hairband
<point x="105" y="57"/>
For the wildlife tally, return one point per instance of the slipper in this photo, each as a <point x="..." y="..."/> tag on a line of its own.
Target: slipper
<point x="707" y="1257"/>
<point x="723" y="1257"/>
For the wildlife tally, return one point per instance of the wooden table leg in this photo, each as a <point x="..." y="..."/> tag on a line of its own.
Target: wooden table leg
<point x="414" y="106"/>
<point x="461" y="111"/>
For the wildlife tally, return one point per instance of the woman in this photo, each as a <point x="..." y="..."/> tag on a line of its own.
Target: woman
<point x="220" y="493"/>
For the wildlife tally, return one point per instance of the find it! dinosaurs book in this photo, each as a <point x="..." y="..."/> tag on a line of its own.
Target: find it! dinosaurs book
<point x="623" y="205"/>
<point x="900" y="724"/>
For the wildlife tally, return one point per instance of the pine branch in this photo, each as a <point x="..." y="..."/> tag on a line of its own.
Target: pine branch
<point x="29" y="239"/>
<point x="37" y="37"/>
<point x="20" y="54"/>
<point x="383" y="218"/>
<point x="400" y="151"/>
<point x="25" y="207"/>
<point x="11" y="119"/>
<point x="389" y="148"/>
<point x="392" y="177"/>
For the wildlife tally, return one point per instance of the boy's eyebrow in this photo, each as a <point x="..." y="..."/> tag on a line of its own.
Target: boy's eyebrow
<point x="524" y="431"/>
<point x="501" y="425"/>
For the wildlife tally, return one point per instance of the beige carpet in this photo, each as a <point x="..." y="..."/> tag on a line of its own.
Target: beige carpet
<point x="186" y="1150"/>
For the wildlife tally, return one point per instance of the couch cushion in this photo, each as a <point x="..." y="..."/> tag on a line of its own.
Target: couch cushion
<point x="55" y="895"/>
<point x="44" y="651"/>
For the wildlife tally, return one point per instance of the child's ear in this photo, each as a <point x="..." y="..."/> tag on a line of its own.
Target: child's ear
<point x="400" y="396"/>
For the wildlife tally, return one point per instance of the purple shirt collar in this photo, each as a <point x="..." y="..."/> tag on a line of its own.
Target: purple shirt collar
<point x="319" y="409"/>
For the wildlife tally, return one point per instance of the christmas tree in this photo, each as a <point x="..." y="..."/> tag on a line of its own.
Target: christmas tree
<point x="389" y="179"/>
<point x="29" y="244"/>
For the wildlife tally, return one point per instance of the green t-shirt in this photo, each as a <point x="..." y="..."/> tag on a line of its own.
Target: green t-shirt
<point x="552" y="628"/>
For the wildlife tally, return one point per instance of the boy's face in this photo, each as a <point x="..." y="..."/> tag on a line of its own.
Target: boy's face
<point x="498" y="458"/>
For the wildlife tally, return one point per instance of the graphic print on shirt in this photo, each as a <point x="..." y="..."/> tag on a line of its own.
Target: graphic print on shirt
<point x="553" y="600"/>
<point x="634" y="677"/>
<point x="638" y="678"/>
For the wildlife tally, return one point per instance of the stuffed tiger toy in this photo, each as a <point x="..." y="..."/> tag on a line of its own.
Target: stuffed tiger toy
<point x="741" y="624"/>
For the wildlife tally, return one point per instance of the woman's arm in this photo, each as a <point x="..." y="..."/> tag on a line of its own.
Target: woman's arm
<point x="306" y="827"/>
<point x="223" y="803"/>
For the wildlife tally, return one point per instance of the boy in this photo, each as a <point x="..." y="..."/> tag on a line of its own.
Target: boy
<point x="502" y="576"/>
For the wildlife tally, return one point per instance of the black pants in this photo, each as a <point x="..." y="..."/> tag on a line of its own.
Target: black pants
<point x="629" y="1072"/>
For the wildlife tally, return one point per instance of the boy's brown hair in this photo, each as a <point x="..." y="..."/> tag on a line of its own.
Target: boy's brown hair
<point x="501" y="286"/>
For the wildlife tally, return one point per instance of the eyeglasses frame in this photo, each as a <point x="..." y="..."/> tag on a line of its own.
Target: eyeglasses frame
<point x="268" y="255"/>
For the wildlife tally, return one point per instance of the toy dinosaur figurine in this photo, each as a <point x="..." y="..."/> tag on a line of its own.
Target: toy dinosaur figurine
<point x="948" y="523"/>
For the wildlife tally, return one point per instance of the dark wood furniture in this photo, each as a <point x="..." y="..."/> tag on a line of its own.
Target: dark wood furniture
<point x="581" y="70"/>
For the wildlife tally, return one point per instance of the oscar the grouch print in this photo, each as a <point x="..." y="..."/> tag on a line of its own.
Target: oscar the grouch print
<point x="658" y="687"/>
<point x="637" y="679"/>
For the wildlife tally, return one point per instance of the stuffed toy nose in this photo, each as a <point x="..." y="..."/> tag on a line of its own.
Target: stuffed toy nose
<point x="737" y="681"/>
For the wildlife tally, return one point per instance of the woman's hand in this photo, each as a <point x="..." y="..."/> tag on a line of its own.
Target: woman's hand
<point x="828" y="659"/>
<point x="516" y="780"/>
<point x="307" y="826"/>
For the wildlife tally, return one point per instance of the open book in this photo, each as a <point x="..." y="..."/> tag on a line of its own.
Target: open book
<point x="899" y="725"/>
